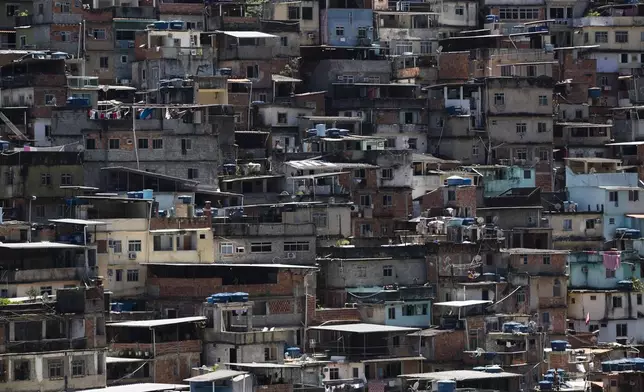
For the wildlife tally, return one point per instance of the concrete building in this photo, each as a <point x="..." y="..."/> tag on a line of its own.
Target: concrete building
<point x="192" y="143"/>
<point x="306" y="13"/>
<point x="346" y="24"/>
<point x="60" y="344"/>
<point x="172" y="346"/>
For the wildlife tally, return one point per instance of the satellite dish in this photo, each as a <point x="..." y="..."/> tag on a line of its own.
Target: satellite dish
<point x="592" y="170"/>
<point x="495" y="219"/>
<point x="558" y="207"/>
<point x="480" y="220"/>
<point x="440" y="49"/>
<point x="477" y="258"/>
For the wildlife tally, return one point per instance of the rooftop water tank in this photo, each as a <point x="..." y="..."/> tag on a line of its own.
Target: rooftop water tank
<point x="446" y="385"/>
<point x="161" y="25"/>
<point x="558" y="345"/>
<point x="177" y="25"/>
<point x="321" y="130"/>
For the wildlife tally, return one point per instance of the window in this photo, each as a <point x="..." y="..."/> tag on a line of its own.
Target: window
<point x="355" y="372"/>
<point x="623" y="58"/>
<point x="99" y="34"/>
<point x="320" y="219"/>
<point x="527" y="174"/>
<point x="104" y="62"/>
<point x="387" y="174"/>
<point x="65" y="179"/>
<point x="360" y="173"/>
<point x="610" y="273"/>
<point x="391" y="313"/>
<point x="567" y="225"/>
<point x="395" y="341"/>
<point x="521" y="13"/>
<point x="499" y="98"/>
<point x="8" y="178"/>
<point x="143" y="143"/>
<point x="621" y="330"/>
<point x="21" y="370"/>
<point x="294" y="13"/>
<point x="261" y="247"/>
<point x="543" y="100"/>
<point x="115" y="245"/>
<point x="545" y="318"/>
<point x="412" y="143"/>
<point x="55" y="369"/>
<point x="334" y="373"/>
<point x="621" y="37"/>
<point x="639" y="299"/>
<point x="390" y="142"/>
<point x="590" y="223"/>
<point x="114" y="144"/>
<point x="284" y="41"/>
<point x="613" y="196"/>
<point x="339" y="31"/>
<point x="226" y="248"/>
<point x="45" y="179"/>
<point x="50" y="100"/>
<point x="65" y="36"/>
<point x="365" y="200"/>
<point x="186" y="144"/>
<point x="12" y="9"/>
<point x="593" y="298"/>
<point x="134" y="246"/>
<point x="298" y="246"/>
<point x="459" y="10"/>
<point x="425" y="47"/>
<point x="387" y="270"/>
<point x="475" y="150"/>
<point x="157" y="144"/>
<point x="451" y="195"/>
<point x="193" y="173"/>
<point x="522" y="127"/>
<point x="252" y="71"/>
<point x="46" y="290"/>
<point x="617" y="302"/>
<point x="78" y="368"/>
<point x="387" y="201"/>
<point x="90" y="144"/>
<point x="601" y="37"/>
<point x="520" y="297"/>
<point x="362" y="271"/>
<point x="556" y="288"/>
<point x="546" y="260"/>
<point x="633" y="195"/>
<point x="544" y="155"/>
<point x="119" y="275"/>
<point x="408" y="117"/>
<point x="132" y="275"/>
<point x="365" y="230"/>
<point x="282" y="118"/>
<point x="521" y="153"/>
<point x="611" y="221"/>
<point x="541" y="127"/>
<point x="65" y="8"/>
<point x="307" y="13"/>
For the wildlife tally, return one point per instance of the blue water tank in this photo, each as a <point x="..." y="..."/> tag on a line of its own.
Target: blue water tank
<point x="294" y="352"/>
<point x="185" y="199"/>
<point x="558" y="345"/>
<point x="594" y="92"/>
<point x="312" y="132"/>
<point x="333" y="132"/>
<point x="161" y="25"/>
<point x="545" y="385"/>
<point x="321" y="130"/>
<point x="454" y="180"/>
<point x="210" y="300"/>
<point x="148" y="194"/>
<point x="491" y="19"/>
<point x="344" y="132"/>
<point x="177" y="25"/>
<point x="467" y="181"/>
<point x="494" y="369"/>
<point x="446" y="385"/>
<point x="239" y="297"/>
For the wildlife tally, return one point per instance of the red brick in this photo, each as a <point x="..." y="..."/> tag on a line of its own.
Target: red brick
<point x="454" y="66"/>
<point x="281" y="306"/>
<point x="181" y="8"/>
<point x="332" y="314"/>
<point x="449" y="346"/>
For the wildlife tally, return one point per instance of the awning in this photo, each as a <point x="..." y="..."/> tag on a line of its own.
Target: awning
<point x="222" y="374"/>
<point x="461" y="304"/>
<point x="109" y="360"/>
<point x="157" y="323"/>
<point x="83" y="222"/>
<point x="313" y="176"/>
<point x="238" y="81"/>
<point x="402" y="359"/>
<point x="284" y="79"/>
<point x="247" y="34"/>
<point x="363" y="328"/>
<point x="170" y="231"/>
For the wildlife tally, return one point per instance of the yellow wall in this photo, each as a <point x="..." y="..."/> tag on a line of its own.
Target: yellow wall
<point x="212" y="97"/>
<point x="205" y="252"/>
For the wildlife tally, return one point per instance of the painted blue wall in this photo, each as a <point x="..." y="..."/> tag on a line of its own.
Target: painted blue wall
<point x="418" y="320"/>
<point x="351" y="20"/>
<point x="595" y="276"/>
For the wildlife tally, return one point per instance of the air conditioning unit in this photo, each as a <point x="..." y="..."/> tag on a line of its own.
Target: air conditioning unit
<point x="124" y="82"/>
<point x="291" y="255"/>
<point x="131" y="255"/>
<point x="193" y="52"/>
<point x="311" y="35"/>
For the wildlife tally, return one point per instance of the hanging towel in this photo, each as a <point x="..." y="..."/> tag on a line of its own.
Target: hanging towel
<point x="612" y="260"/>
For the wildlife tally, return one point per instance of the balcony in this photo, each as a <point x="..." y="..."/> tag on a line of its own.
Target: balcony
<point x="42" y="275"/>
<point x="135" y="12"/>
<point x="407" y="73"/>
<point x="46" y="345"/>
<point x="33" y="80"/>
<point x="49" y="18"/>
<point x="378" y="103"/>
<point x="251" y="337"/>
<point x="613" y="21"/>
<point x="264" y="229"/>
<point x="180" y="53"/>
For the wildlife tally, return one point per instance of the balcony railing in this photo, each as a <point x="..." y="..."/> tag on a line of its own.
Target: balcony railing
<point x="46" y="345"/>
<point x="31" y="80"/>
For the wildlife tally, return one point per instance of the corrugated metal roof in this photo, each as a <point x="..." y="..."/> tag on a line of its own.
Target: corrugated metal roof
<point x="143" y="387"/>
<point x="39" y="245"/>
<point x="222" y="374"/>
<point x="78" y="222"/>
<point x="247" y="34"/>
<point x="363" y="328"/>
<point x="460" y="304"/>
<point x="460" y="375"/>
<point x="157" y="323"/>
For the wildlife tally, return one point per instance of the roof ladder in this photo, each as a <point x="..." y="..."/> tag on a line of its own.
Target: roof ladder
<point x="11" y="126"/>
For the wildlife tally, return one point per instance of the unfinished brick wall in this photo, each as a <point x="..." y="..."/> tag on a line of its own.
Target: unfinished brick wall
<point x="454" y="66"/>
<point x="173" y="369"/>
<point x="315" y="99"/>
<point x="466" y="198"/>
<point x="536" y="263"/>
<point x="203" y="287"/>
<point x="181" y="8"/>
<point x="433" y="199"/>
<point x="544" y="181"/>
<point x="281" y="306"/>
<point x="449" y="346"/>
<point x="331" y="314"/>
<point x="90" y="331"/>
<point x="180" y="223"/>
